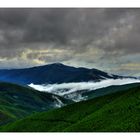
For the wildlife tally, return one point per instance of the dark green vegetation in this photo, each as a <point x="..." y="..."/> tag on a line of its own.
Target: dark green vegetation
<point x="107" y="90"/>
<point x="114" y="112"/>
<point x="18" y="101"/>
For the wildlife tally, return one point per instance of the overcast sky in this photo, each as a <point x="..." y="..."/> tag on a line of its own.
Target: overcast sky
<point x="107" y="39"/>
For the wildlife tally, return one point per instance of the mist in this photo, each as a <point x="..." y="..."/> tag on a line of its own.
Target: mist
<point x="67" y="88"/>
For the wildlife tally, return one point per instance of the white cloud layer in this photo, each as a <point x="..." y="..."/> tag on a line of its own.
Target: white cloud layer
<point x="67" y="88"/>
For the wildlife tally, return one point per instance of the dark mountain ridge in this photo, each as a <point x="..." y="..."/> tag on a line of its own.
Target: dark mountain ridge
<point x="53" y="73"/>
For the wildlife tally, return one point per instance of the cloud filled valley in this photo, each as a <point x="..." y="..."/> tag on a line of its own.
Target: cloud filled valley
<point x="66" y="89"/>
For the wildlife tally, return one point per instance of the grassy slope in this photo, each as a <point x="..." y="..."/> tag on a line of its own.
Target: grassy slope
<point x="18" y="101"/>
<point x="115" y="112"/>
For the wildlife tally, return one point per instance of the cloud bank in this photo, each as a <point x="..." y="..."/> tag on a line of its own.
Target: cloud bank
<point x="67" y="88"/>
<point x="107" y="39"/>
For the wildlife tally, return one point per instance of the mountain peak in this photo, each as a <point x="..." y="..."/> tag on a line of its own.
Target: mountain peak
<point x="53" y="73"/>
<point x="58" y="64"/>
<point x="55" y="65"/>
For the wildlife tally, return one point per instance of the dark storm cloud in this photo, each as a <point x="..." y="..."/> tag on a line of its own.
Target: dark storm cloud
<point x="57" y="25"/>
<point x="73" y="35"/>
<point x="60" y="25"/>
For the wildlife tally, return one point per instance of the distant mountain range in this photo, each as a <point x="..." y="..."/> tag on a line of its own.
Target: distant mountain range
<point x="53" y="73"/>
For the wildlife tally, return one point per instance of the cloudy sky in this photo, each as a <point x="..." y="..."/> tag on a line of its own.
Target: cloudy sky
<point x="107" y="39"/>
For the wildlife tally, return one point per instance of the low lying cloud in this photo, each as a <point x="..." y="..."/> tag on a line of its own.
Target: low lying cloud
<point x="67" y="88"/>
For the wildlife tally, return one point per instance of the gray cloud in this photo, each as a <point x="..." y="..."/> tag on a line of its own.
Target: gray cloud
<point x="102" y="38"/>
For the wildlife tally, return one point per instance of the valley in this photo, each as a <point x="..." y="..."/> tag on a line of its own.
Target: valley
<point x="72" y="100"/>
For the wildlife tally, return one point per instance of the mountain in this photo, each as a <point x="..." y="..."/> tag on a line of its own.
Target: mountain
<point x="117" y="112"/>
<point x="19" y="101"/>
<point x="53" y="73"/>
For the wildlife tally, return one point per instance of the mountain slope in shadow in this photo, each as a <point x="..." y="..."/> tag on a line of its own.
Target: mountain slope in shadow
<point x="53" y="73"/>
<point x="19" y="101"/>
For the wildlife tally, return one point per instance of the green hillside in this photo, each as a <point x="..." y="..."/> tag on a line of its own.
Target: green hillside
<point x="18" y="101"/>
<point x="107" y="90"/>
<point x="114" y="112"/>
